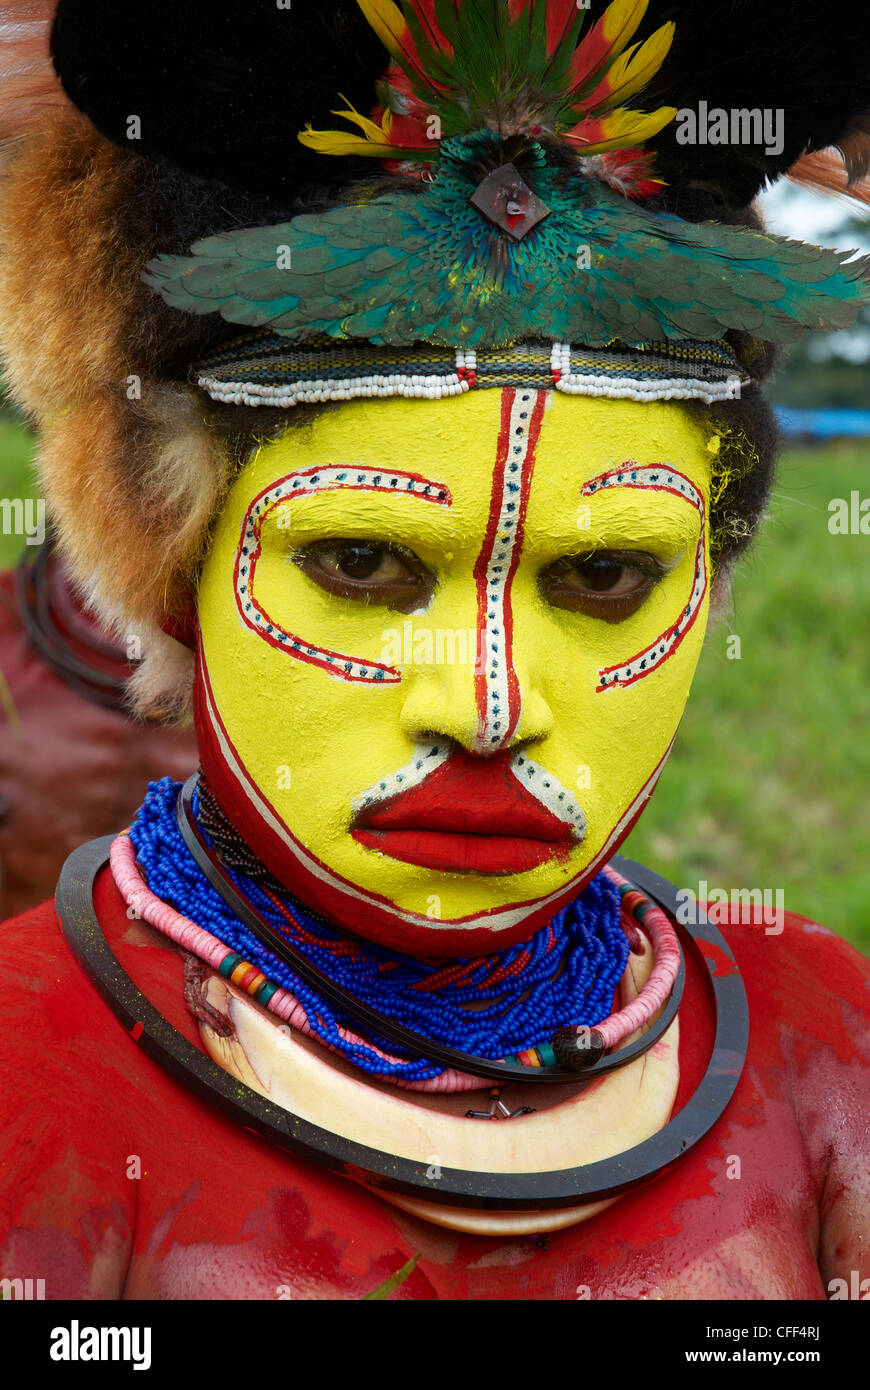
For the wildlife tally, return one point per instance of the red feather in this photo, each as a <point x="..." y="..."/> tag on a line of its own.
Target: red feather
<point x="560" y="16"/>
<point x="602" y="43"/>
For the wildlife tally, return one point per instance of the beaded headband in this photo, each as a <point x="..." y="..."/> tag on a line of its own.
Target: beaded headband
<point x="264" y="369"/>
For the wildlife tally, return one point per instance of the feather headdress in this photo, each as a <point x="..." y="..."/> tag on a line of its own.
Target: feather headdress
<point x="221" y="87"/>
<point x="480" y="91"/>
<point x="517" y="69"/>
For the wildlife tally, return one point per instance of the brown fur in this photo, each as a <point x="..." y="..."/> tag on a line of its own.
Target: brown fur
<point x="132" y="495"/>
<point x="854" y="147"/>
<point x="163" y="683"/>
<point x="69" y="282"/>
<point x="131" y="469"/>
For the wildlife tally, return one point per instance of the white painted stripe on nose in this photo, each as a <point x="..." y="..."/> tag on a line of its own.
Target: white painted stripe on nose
<point x="497" y="687"/>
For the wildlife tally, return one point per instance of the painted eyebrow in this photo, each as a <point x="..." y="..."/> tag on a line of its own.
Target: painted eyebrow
<point x="630" y="529"/>
<point x="658" y="478"/>
<point x="338" y="477"/>
<point x="305" y="483"/>
<point x="630" y="476"/>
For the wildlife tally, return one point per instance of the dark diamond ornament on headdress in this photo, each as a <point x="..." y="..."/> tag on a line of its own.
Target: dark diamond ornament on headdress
<point x="506" y="200"/>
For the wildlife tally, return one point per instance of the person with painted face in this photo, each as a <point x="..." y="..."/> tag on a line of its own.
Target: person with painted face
<point x="425" y="490"/>
<point x="66" y="718"/>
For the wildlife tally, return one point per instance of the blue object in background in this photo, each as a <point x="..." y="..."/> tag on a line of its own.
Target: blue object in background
<point x="823" y="424"/>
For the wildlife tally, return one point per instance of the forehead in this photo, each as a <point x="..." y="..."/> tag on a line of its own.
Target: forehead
<point x="461" y="444"/>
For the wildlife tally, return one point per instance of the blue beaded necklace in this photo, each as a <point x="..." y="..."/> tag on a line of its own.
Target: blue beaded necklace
<point x="564" y="975"/>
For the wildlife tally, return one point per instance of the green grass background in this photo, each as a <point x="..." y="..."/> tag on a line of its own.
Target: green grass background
<point x="16" y="477"/>
<point x="769" y="782"/>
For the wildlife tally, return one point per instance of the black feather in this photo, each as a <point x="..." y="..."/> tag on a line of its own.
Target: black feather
<point x="221" y="87"/>
<point x="808" y="60"/>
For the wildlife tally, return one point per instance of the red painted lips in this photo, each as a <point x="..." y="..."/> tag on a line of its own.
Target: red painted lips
<point x="469" y="816"/>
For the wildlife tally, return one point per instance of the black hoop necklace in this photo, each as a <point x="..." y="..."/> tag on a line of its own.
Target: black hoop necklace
<point x="505" y="1191"/>
<point x="584" y="1063"/>
<point x="98" y="670"/>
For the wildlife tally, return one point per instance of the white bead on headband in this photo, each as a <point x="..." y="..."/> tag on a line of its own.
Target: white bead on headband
<point x="263" y="369"/>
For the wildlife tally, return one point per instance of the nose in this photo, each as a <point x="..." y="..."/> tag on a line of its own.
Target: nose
<point x="485" y="706"/>
<point x="497" y="704"/>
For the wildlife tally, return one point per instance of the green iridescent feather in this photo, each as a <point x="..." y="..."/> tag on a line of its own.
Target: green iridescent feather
<point x="412" y="266"/>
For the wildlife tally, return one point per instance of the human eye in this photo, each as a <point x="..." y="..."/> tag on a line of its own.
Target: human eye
<point x="606" y="584"/>
<point x="374" y="572"/>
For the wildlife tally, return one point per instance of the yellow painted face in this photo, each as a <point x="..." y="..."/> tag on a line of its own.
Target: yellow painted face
<point x="445" y="648"/>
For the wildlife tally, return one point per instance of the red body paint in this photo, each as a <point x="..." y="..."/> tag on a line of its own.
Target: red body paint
<point x="772" y="1204"/>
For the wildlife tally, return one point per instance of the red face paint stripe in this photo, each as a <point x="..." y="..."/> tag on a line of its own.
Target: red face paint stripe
<point x="480" y="568"/>
<point x="527" y="468"/>
<point x="497" y="687"/>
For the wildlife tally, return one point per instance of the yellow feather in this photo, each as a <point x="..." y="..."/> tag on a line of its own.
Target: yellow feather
<point x="388" y="23"/>
<point x="371" y="130"/>
<point x="623" y="129"/>
<point x="619" y="22"/>
<point x="342" y="142"/>
<point x="375" y="139"/>
<point x="631" y="72"/>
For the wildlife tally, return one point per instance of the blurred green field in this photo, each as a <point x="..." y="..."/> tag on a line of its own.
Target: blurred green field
<point x="769" y="782"/>
<point x="16" y="477"/>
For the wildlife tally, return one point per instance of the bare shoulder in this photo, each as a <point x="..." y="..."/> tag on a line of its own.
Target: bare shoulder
<point x="801" y="968"/>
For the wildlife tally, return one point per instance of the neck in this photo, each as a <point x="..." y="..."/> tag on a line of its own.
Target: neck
<point x="495" y="1007"/>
